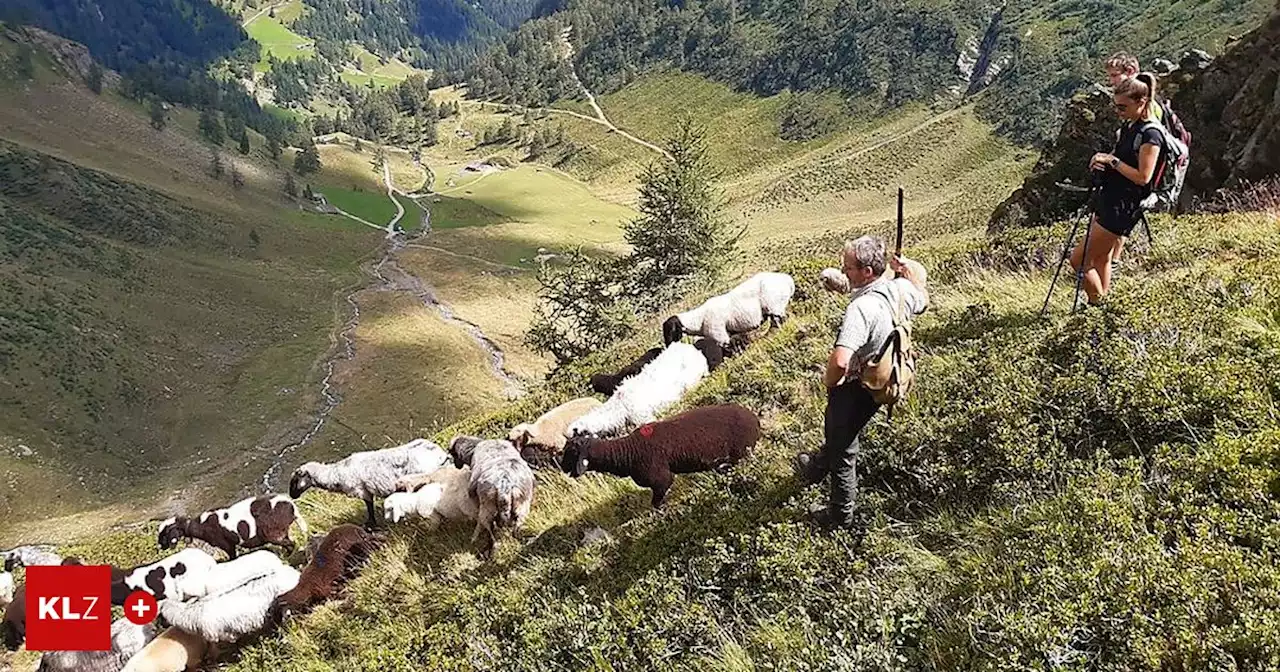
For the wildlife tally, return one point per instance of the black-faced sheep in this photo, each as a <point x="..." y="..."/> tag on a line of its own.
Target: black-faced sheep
<point x="703" y="439"/>
<point x="501" y="485"/>
<point x="606" y="383"/>
<point x="127" y="639"/>
<point x="174" y="650"/>
<point x="544" y="437"/>
<point x="662" y="382"/>
<point x="369" y="474"/>
<point x="340" y="556"/>
<point x="741" y="309"/>
<point x="164" y="579"/>
<point x="27" y="556"/>
<point x="250" y="523"/>
<point x="437" y="497"/>
<point x="235" y="598"/>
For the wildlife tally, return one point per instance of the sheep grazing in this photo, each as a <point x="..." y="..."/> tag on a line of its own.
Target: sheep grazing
<point x="173" y="650"/>
<point x="640" y="398"/>
<point x="163" y="579"/>
<point x="234" y="599"/>
<point x="443" y="495"/>
<point x="342" y="553"/>
<point x="546" y="434"/>
<point x="703" y="439"/>
<point x="127" y="639"/>
<point x="833" y="280"/>
<point x="369" y="474"/>
<point x="741" y="309"/>
<point x="501" y="486"/>
<point x="250" y="523"/>
<point x="6" y="589"/>
<point x="26" y="556"/>
<point x="606" y="383"/>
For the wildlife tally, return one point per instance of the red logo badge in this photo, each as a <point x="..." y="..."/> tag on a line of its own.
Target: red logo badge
<point x="646" y="431"/>
<point x="69" y="608"/>
<point x="140" y="607"/>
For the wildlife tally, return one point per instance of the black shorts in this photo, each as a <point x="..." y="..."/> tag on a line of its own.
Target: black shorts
<point x="1119" y="215"/>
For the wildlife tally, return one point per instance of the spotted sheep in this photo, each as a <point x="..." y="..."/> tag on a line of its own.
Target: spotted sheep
<point x="250" y="523"/>
<point x="164" y="579"/>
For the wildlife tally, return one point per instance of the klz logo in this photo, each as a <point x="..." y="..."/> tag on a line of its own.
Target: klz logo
<point x="69" y="608"/>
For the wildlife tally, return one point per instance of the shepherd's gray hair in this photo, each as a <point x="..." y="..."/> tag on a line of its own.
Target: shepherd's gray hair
<point x="868" y="251"/>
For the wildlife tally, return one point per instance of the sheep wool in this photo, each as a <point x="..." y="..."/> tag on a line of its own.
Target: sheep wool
<point x="741" y="309"/>
<point x="164" y="578"/>
<point x="369" y="474"/>
<point x="127" y="640"/>
<point x="642" y="397"/>
<point x="6" y="589"/>
<point x="251" y="523"/>
<point x="27" y="556"/>
<point x="501" y="485"/>
<point x="834" y="281"/>
<point x="444" y="496"/>
<point x="173" y="650"/>
<point x="235" y="599"/>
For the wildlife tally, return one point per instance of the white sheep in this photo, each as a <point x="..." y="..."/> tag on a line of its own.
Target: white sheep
<point x="173" y="650"/>
<point x="369" y="474"/>
<point x="548" y="430"/>
<point x="6" y="589"/>
<point x="501" y="485"/>
<point x="127" y="639"/>
<point x="437" y="497"/>
<point x="640" y="398"/>
<point x="741" y="309"/>
<point x="234" y="599"/>
<point x="27" y="556"/>
<point x="834" y="280"/>
<point x="165" y="579"/>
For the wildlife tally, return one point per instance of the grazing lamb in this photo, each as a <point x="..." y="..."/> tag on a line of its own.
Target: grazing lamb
<point x="640" y="398"/>
<point x="24" y="556"/>
<point x="163" y="579"/>
<point x="127" y="639"/>
<point x="6" y="589"/>
<point x="444" y="495"/>
<point x="369" y="474"/>
<point x="606" y="383"/>
<point x="234" y="599"/>
<point x="741" y="309"/>
<point x="342" y="553"/>
<point x="501" y="485"/>
<point x="546" y="434"/>
<point x="703" y="439"/>
<point x="173" y="650"/>
<point x="833" y="280"/>
<point x="250" y="523"/>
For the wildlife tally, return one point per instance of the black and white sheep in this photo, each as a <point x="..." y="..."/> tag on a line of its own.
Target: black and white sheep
<point x="174" y="650"/>
<point x="437" y="497"/>
<point x="249" y="523"/>
<point x="501" y="486"/>
<point x="369" y="474"/>
<point x="763" y="296"/>
<point x="606" y="383"/>
<point x="127" y="639"/>
<point x="340" y="556"/>
<point x="27" y="556"/>
<point x="235" y="598"/>
<point x="703" y="439"/>
<point x="545" y="436"/>
<point x="662" y="382"/>
<point x="165" y="578"/>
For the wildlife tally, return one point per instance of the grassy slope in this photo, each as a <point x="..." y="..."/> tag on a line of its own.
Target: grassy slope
<point x="276" y="38"/>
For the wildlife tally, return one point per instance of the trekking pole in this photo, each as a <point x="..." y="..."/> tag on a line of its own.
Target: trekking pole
<point x="1096" y="180"/>
<point x="897" y="250"/>
<point x="1071" y="236"/>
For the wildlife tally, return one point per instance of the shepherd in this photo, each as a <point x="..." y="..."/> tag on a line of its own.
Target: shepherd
<point x="872" y="364"/>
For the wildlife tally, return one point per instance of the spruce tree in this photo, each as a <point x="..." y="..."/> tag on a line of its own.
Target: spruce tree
<point x="290" y="187"/>
<point x="94" y="79"/>
<point x="307" y="160"/>
<point x="244" y="143"/>
<point x="156" y="109"/>
<point x="681" y="227"/>
<point x="211" y="126"/>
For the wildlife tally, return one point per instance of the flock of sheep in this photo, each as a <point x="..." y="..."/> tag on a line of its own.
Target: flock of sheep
<point x="489" y="482"/>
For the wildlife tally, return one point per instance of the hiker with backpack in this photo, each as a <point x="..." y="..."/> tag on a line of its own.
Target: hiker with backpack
<point x="1129" y="178"/>
<point x="872" y="364"/>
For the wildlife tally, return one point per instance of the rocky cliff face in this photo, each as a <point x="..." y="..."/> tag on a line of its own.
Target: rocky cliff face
<point x="1230" y="105"/>
<point x="1233" y="112"/>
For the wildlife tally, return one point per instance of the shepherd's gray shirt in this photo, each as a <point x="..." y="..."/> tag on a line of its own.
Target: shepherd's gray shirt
<point x="868" y="320"/>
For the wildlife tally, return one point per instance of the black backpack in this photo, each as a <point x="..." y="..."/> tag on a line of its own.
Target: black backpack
<point x="1175" y="156"/>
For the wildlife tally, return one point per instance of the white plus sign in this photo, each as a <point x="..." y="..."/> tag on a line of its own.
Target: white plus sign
<point x="140" y="608"/>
